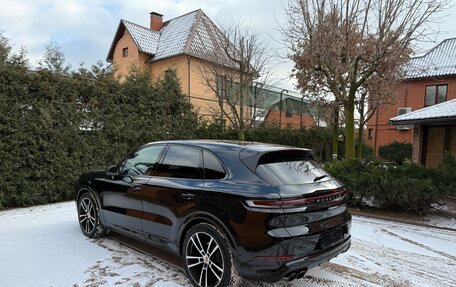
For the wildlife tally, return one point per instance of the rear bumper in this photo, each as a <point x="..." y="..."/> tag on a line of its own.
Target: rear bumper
<point x="293" y="267"/>
<point x="272" y="246"/>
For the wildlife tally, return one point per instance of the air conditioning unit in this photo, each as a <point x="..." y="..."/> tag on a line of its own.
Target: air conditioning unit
<point x="402" y="111"/>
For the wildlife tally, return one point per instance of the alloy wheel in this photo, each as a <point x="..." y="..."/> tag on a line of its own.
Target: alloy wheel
<point x="87" y="215"/>
<point x="204" y="260"/>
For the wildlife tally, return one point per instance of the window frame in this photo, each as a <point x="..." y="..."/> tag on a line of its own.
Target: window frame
<point x="262" y="174"/>
<point x="125" y="52"/>
<point x="163" y="157"/>
<point x="121" y="164"/>
<point x="219" y="161"/>
<point x="436" y="97"/>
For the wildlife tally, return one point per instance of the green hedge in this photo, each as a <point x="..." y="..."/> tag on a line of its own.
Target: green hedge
<point x="318" y="139"/>
<point x="396" y="151"/>
<point x="56" y="124"/>
<point x="43" y="149"/>
<point x="408" y="187"/>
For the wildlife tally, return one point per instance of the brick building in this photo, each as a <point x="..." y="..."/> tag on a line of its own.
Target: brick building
<point x="183" y="44"/>
<point x="291" y="112"/>
<point x="430" y="80"/>
<point x="434" y="132"/>
<point x="178" y="43"/>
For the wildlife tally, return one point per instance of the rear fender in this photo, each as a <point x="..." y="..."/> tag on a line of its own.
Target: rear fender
<point x="202" y="216"/>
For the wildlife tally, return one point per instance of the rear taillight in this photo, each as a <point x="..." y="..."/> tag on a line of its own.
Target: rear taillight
<point x="337" y="194"/>
<point x="265" y="203"/>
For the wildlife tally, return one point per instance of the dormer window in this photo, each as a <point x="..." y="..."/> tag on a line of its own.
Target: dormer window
<point x="435" y="94"/>
<point x="125" y="52"/>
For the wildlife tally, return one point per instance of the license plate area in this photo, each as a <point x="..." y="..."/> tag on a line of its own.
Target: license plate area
<point x="331" y="238"/>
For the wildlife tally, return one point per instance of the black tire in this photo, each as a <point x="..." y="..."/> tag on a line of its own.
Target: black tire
<point x="88" y="216"/>
<point x="204" y="261"/>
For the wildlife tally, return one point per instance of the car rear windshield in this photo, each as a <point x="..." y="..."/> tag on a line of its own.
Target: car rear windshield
<point x="288" y="168"/>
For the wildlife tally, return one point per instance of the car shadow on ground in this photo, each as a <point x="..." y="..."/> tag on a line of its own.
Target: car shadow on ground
<point x="148" y="249"/>
<point x="172" y="259"/>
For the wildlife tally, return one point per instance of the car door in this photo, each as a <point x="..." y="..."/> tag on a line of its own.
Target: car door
<point x="172" y="193"/>
<point x="122" y="195"/>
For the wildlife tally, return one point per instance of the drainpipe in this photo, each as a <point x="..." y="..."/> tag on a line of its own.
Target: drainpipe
<point x="188" y="72"/>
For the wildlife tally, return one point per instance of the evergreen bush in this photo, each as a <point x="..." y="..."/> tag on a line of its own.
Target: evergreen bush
<point x="396" y="151"/>
<point x="56" y="123"/>
<point x="446" y="180"/>
<point x="408" y="187"/>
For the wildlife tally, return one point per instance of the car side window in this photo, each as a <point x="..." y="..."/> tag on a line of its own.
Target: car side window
<point x="181" y="162"/>
<point x="212" y="167"/>
<point x="141" y="161"/>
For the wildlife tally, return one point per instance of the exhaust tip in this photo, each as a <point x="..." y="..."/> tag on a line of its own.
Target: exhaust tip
<point x="292" y="277"/>
<point x="296" y="275"/>
<point x="301" y="274"/>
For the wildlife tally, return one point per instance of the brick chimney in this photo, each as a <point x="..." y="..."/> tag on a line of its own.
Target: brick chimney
<point x="156" y="21"/>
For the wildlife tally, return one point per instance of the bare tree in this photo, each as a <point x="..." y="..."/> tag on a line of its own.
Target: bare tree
<point x="237" y="59"/>
<point x="379" y="90"/>
<point x="328" y="111"/>
<point x="342" y="44"/>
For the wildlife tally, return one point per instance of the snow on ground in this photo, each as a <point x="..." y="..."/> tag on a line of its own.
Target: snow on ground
<point x="448" y="209"/>
<point x="439" y="221"/>
<point x="43" y="246"/>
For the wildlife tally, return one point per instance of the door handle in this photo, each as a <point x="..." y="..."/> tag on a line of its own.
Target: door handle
<point x="136" y="188"/>
<point x="187" y="196"/>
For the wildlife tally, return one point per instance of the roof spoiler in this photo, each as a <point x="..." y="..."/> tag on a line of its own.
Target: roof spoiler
<point x="252" y="156"/>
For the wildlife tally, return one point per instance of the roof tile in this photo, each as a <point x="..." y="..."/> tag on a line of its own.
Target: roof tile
<point x="174" y="36"/>
<point x="439" y="61"/>
<point x="192" y="34"/>
<point x="146" y="39"/>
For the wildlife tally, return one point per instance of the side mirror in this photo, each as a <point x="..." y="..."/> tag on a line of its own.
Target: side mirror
<point x="113" y="170"/>
<point x="127" y="179"/>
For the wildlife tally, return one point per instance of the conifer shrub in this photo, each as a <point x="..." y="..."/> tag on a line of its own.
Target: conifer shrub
<point x="396" y="151"/>
<point x="56" y="123"/>
<point x="408" y="187"/>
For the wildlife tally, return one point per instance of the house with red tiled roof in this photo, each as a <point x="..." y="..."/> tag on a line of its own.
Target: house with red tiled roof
<point x="420" y="113"/>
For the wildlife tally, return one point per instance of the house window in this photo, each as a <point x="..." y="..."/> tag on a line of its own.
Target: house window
<point x="125" y="52"/>
<point x="369" y="133"/>
<point x="435" y="94"/>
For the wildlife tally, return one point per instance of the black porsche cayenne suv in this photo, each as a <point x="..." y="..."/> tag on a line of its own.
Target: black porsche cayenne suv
<point x="231" y="210"/>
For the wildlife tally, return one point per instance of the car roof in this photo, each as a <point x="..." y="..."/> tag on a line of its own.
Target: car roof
<point x="248" y="152"/>
<point x="232" y="153"/>
<point x="214" y="145"/>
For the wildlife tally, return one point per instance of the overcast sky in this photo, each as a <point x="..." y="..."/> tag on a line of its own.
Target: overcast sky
<point x="85" y="29"/>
